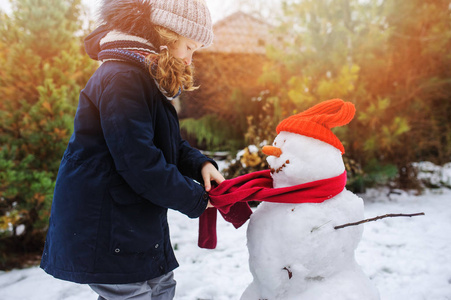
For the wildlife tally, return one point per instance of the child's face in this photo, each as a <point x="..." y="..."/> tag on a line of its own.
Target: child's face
<point x="184" y="48"/>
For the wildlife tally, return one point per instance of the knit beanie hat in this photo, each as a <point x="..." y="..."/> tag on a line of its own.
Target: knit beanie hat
<point x="188" y="18"/>
<point x="317" y="121"/>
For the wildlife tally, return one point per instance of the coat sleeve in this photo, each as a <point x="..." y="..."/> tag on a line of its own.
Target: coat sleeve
<point x="126" y="120"/>
<point x="191" y="161"/>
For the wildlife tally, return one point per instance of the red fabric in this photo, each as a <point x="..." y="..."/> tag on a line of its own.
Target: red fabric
<point x="232" y="195"/>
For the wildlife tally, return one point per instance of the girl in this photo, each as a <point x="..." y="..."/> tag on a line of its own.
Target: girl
<point x="126" y="163"/>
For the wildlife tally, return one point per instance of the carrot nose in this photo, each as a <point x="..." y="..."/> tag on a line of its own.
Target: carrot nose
<point x="271" y="150"/>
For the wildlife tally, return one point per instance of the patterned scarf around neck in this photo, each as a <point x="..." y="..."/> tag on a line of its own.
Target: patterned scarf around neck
<point x="118" y="46"/>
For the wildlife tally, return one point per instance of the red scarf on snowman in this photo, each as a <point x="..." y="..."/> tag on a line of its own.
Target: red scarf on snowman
<point x="231" y="196"/>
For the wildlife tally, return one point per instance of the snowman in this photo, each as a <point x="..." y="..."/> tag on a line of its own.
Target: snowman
<point x="294" y="250"/>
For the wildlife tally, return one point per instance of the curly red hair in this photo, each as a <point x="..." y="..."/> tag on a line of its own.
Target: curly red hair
<point x="171" y="73"/>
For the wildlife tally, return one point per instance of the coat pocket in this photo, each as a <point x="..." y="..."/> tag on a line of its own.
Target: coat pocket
<point x="135" y="223"/>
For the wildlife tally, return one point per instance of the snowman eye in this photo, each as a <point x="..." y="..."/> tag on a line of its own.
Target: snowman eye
<point x="275" y="143"/>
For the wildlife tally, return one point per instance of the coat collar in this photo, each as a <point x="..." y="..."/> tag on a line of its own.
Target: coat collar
<point x="119" y="46"/>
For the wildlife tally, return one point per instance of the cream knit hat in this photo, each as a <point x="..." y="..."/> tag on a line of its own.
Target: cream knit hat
<point x="189" y="18"/>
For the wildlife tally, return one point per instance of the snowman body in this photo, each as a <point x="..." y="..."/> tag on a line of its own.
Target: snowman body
<point x="294" y="250"/>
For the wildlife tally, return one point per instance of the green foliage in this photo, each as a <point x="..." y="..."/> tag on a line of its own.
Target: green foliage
<point x="260" y="131"/>
<point x="249" y="119"/>
<point x="261" y="127"/>
<point x="43" y="71"/>
<point x="212" y="132"/>
<point x="379" y="174"/>
<point x="18" y="183"/>
<point x="340" y="86"/>
<point x="383" y="138"/>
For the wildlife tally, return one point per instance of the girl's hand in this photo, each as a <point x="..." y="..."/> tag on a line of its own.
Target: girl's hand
<point x="209" y="173"/>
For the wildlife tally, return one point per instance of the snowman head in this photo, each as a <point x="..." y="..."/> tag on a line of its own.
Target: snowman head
<point x="296" y="159"/>
<point x="305" y="148"/>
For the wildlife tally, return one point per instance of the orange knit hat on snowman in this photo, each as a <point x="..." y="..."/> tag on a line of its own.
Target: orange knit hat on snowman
<point x="317" y="121"/>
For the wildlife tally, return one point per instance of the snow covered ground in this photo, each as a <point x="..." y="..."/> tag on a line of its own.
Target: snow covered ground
<point x="407" y="258"/>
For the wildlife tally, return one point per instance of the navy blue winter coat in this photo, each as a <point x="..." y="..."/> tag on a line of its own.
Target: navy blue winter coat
<point x="124" y="166"/>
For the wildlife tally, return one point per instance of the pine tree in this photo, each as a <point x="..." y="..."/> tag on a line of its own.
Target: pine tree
<point x="43" y="69"/>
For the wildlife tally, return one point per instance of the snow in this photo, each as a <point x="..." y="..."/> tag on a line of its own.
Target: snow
<point x="406" y="258"/>
<point x="410" y="258"/>
<point x="432" y="175"/>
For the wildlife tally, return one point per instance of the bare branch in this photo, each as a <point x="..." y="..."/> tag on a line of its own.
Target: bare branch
<point x="378" y="218"/>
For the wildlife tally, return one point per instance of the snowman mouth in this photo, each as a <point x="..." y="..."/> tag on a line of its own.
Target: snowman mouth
<point x="279" y="169"/>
